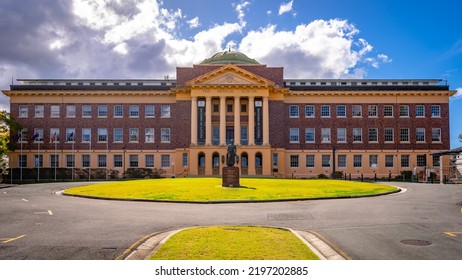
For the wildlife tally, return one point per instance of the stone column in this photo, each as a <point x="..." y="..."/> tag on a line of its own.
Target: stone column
<point x="251" y="121"/>
<point x="208" y="121"/>
<point x="194" y="121"/>
<point x="222" y="120"/>
<point x="237" y="120"/>
<point x="265" y="121"/>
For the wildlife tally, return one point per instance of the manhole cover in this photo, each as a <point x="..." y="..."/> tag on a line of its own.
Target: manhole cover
<point x="416" y="242"/>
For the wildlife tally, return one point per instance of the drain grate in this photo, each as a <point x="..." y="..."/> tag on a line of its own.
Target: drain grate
<point x="416" y="242"/>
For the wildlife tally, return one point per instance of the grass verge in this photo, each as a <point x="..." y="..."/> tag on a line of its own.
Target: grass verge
<point x="234" y="243"/>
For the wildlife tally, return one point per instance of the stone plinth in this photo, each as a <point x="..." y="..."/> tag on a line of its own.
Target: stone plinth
<point x="230" y="176"/>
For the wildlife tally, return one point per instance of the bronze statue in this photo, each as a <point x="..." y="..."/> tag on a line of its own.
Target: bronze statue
<point x="231" y="155"/>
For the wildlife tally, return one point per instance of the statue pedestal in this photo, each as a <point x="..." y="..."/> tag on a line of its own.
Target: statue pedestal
<point x="230" y="176"/>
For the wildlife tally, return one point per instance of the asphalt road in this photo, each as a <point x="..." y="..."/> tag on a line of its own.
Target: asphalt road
<point x="35" y="223"/>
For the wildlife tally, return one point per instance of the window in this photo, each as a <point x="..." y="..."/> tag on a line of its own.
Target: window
<point x="165" y="111"/>
<point x="102" y="161"/>
<point x="54" y="135"/>
<point x="309" y="111"/>
<point x="118" y="135"/>
<point x="134" y="135"/>
<point x="86" y="134"/>
<point x="38" y="135"/>
<point x="86" y="111"/>
<point x="294" y="136"/>
<point x="22" y="159"/>
<point x="70" y="134"/>
<point x="325" y="135"/>
<point x="24" y="135"/>
<point x="149" y="135"/>
<point x="388" y="111"/>
<point x="70" y="111"/>
<point x="309" y="160"/>
<point x="372" y="111"/>
<point x="215" y="135"/>
<point x="118" y="162"/>
<point x="134" y="111"/>
<point x="149" y="111"/>
<point x="436" y="134"/>
<point x="404" y="135"/>
<point x="149" y="161"/>
<point x="421" y="160"/>
<point x="185" y="159"/>
<point x="341" y="135"/>
<point x="357" y="110"/>
<point x="357" y="160"/>
<point x="165" y="135"/>
<point x="436" y="111"/>
<point x="293" y="111"/>
<point x="38" y="160"/>
<point x="102" y="111"/>
<point x="39" y="111"/>
<point x="341" y="111"/>
<point x="229" y="108"/>
<point x="404" y="160"/>
<point x="404" y="111"/>
<point x="54" y="160"/>
<point x="389" y="137"/>
<point x="23" y="111"/>
<point x="244" y="135"/>
<point x="436" y="160"/>
<point x="325" y="160"/>
<point x="133" y="161"/>
<point x="102" y="134"/>
<point x="373" y="161"/>
<point x="388" y="160"/>
<point x="420" y="134"/>
<point x="216" y="108"/>
<point x="118" y="111"/>
<point x="420" y="111"/>
<point x="357" y="135"/>
<point x="325" y="111"/>
<point x="85" y="161"/>
<point x="373" y="135"/>
<point x="293" y="160"/>
<point x="70" y="161"/>
<point x="341" y="161"/>
<point x="165" y="161"/>
<point x="243" y="108"/>
<point x="55" y="111"/>
<point x="309" y="135"/>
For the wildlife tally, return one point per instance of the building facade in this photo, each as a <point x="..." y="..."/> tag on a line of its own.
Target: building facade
<point x="282" y="127"/>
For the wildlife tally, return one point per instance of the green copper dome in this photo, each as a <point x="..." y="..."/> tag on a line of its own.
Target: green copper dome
<point x="229" y="57"/>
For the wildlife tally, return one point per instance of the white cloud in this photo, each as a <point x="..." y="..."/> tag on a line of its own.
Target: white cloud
<point x="269" y="13"/>
<point x="285" y="7"/>
<point x="240" y="11"/>
<point x="193" y="23"/>
<point x="458" y="94"/>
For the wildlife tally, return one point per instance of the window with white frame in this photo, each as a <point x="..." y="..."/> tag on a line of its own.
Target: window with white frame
<point x="149" y="161"/>
<point x="85" y="161"/>
<point x="341" y="111"/>
<point x="341" y="135"/>
<point x="373" y="161"/>
<point x="22" y="159"/>
<point x="86" y="111"/>
<point x="39" y="111"/>
<point x="294" y="161"/>
<point x="118" y="111"/>
<point x="165" y="161"/>
<point x="436" y="160"/>
<point x="389" y="135"/>
<point x="309" y="111"/>
<point x="293" y="111"/>
<point x="118" y="135"/>
<point x="357" y="135"/>
<point x="70" y="161"/>
<point x="325" y="111"/>
<point x="373" y="135"/>
<point x="24" y="135"/>
<point x="165" y="135"/>
<point x="341" y="161"/>
<point x="421" y="160"/>
<point x="372" y="111"/>
<point x="38" y="135"/>
<point x="436" y="134"/>
<point x="149" y="135"/>
<point x="309" y="161"/>
<point x="118" y="161"/>
<point x="134" y="111"/>
<point x="357" y="160"/>
<point x="134" y="134"/>
<point x="55" y="111"/>
<point x="325" y="160"/>
<point x="436" y="111"/>
<point x="102" y="161"/>
<point x="70" y="135"/>
<point x="357" y="111"/>
<point x="405" y="160"/>
<point x="23" y="111"/>
<point x="294" y="135"/>
<point x="325" y="135"/>
<point x="102" y="134"/>
<point x="149" y="111"/>
<point x="165" y="111"/>
<point x="420" y="135"/>
<point x="389" y="160"/>
<point x="54" y="135"/>
<point x="54" y="161"/>
<point x="102" y="111"/>
<point x="185" y="159"/>
<point x="404" y="134"/>
<point x="420" y="111"/>
<point x="404" y="111"/>
<point x="86" y="135"/>
<point x="309" y="135"/>
<point x="133" y="159"/>
<point x="388" y="111"/>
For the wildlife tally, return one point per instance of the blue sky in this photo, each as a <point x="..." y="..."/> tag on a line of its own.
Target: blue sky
<point x="311" y="39"/>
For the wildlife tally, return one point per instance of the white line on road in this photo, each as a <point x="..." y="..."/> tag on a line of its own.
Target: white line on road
<point x="49" y="212"/>
<point x="25" y="200"/>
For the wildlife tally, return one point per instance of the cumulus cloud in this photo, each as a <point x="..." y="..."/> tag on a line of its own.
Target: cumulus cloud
<point x="240" y="11"/>
<point x="194" y="23"/>
<point x="285" y="7"/>
<point x="458" y="94"/>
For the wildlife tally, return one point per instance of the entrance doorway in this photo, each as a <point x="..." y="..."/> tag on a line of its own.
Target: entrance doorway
<point x="201" y="161"/>
<point x="244" y="164"/>
<point x="216" y="164"/>
<point x="258" y="164"/>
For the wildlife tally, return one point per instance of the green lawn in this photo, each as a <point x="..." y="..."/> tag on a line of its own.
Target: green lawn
<point x="234" y="243"/>
<point x="209" y="189"/>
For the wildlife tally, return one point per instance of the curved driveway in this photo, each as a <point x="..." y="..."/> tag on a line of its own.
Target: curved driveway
<point x="35" y="223"/>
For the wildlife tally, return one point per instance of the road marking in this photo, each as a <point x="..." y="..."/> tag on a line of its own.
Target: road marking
<point x="25" y="200"/>
<point x="453" y="234"/>
<point x="49" y="212"/>
<point x="6" y="240"/>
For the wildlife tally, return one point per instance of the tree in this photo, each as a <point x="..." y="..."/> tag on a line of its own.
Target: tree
<point x="7" y="124"/>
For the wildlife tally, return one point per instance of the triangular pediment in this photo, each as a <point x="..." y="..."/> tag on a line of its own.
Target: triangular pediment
<point x="229" y="75"/>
